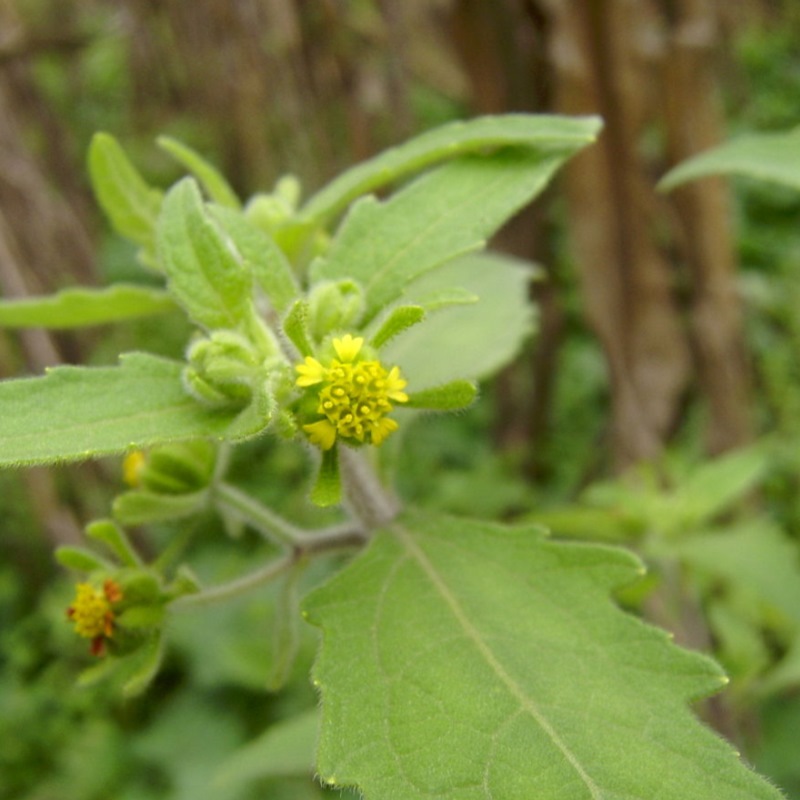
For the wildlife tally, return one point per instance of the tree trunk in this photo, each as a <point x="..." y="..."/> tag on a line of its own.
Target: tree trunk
<point x="603" y="54"/>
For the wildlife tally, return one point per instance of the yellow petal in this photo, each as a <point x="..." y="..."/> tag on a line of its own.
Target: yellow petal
<point x="348" y="347"/>
<point x="321" y="433"/>
<point x="394" y="386"/>
<point x="382" y="428"/>
<point x="310" y="371"/>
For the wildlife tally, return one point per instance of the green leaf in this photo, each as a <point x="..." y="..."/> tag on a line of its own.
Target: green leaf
<point x="470" y="341"/>
<point x="765" y="156"/>
<point x="399" y="319"/>
<point x="128" y="200"/>
<point x="285" y="629"/>
<point x="448" y="397"/>
<point x="206" y="272"/>
<point x="714" y="485"/>
<point x="81" y="559"/>
<point x="468" y="660"/>
<point x="142" y="507"/>
<point x="547" y="134"/>
<point x="114" y="538"/>
<point x="327" y="489"/>
<point x="269" y="265"/>
<point x="295" y="326"/>
<point x="442" y="298"/>
<point x="284" y="749"/>
<point x="74" y="413"/>
<point x="215" y="184"/>
<point x="141" y="617"/>
<point x="145" y="663"/>
<point x="754" y="557"/>
<point x="445" y="213"/>
<point x="76" y="308"/>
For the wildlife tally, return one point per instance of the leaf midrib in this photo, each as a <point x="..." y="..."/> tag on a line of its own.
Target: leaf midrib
<point x="473" y="634"/>
<point x="447" y="213"/>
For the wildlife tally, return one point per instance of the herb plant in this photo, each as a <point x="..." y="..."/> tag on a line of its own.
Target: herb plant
<point x="458" y="659"/>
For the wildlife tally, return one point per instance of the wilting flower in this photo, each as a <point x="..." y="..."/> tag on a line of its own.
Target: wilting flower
<point x="92" y="614"/>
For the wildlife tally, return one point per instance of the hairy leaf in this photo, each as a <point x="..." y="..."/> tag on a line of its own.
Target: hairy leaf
<point x="128" y="200"/>
<point x="206" y="272"/>
<point x="218" y="188"/>
<point x="76" y="308"/>
<point x="547" y="134"/>
<point x="475" y="661"/>
<point x="767" y="156"/>
<point x="142" y="507"/>
<point x="270" y="267"/>
<point x="466" y="341"/>
<point x="445" y="213"/>
<point x="74" y="413"/>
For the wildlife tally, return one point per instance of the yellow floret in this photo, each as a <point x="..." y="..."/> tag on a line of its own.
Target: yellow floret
<point x="354" y="395"/>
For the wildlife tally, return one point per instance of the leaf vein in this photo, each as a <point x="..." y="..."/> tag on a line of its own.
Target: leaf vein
<point x="474" y="635"/>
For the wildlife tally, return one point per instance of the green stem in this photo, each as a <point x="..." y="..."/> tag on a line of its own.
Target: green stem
<point x="269" y="524"/>
<point x="234" y="588"/>
<point x="327" y="540"/>
<point x="369" y="501"/>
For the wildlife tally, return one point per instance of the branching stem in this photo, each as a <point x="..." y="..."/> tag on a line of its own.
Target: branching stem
<point x="327" y="540"/>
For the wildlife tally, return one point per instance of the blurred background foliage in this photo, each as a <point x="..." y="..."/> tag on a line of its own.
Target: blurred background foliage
<point x="658" y="406"/>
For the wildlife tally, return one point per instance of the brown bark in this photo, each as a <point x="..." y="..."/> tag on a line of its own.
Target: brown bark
<point x="502" y="53"/>
<point x="603" y="55"/>
<point x="694" y="123"/>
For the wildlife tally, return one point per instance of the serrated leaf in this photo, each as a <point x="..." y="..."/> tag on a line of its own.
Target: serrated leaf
<point x="470" y="341"/>
<point x="76" y="308"/>
<point x="445" y="213"/>
<point x="269" y="265"/>
<point x="766" y="156"/>
<point x="547" y="134"/>
<point x="128" y="200"/>
<point x="468" y="660"/>
<point x="75" y="413"/>
<point x="215" y="184"/>
<point x="206" y="272"/>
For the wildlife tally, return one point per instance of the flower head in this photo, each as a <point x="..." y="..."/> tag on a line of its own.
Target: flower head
<point x="92" y="614"/>
<point x="354" y="396"/>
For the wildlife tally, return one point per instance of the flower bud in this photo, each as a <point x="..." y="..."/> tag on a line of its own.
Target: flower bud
<point x="334" y="306"/>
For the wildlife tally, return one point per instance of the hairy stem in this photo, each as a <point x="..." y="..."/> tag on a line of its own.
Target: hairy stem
<point x="369" y="501"/>
<point x="270" y="525"/>
<point x="327" y="540"/>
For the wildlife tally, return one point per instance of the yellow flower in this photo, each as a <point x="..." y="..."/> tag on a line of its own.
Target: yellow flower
<point x="92" y="614"/>
<point x="354" y="395"/>
<point x="311" y="372"/>
<point x="132" y="468"/>
<point x="348" y="347"/>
